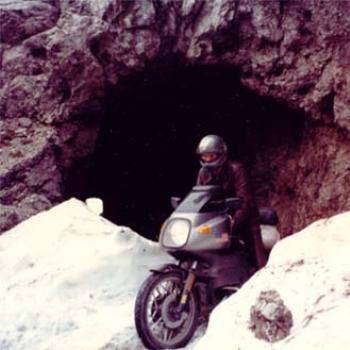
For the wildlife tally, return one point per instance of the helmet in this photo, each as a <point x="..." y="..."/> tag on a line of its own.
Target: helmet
<point x="212" y="144"/>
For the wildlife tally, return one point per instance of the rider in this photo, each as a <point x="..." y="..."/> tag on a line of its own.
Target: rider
<point x="218" y="170"/>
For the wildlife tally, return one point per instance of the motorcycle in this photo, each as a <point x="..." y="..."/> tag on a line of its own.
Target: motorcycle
<point x="212" y="264"/>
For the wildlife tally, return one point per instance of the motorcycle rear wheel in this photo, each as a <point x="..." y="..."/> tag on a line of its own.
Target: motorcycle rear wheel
<point x="157" y="322"/>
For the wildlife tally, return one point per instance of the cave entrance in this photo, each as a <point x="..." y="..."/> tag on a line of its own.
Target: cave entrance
<point x="146" y="148"/>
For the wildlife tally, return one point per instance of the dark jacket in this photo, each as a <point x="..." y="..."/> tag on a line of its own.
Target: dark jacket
<point x="234" y="180"/>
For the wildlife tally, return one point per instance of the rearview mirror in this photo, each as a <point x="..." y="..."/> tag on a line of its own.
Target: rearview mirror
<point x="234" y="203"/>
<point x="175" y="201"/>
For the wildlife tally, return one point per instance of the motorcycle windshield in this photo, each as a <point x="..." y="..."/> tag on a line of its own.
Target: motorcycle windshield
<point x="201" y="202"/>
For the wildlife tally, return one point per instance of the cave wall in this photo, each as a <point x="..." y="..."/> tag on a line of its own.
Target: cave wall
<point x="308" y="180"/>
<point x="58" y="58"/>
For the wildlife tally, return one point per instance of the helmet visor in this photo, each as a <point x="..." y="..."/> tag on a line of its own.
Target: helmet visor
<point x="209" y="157"/>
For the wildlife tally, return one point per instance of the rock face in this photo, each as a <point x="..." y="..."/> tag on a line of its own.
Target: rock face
<point x="30" y="178"/>
<point x="58" y="57"/>
<point x="311" y="180"/>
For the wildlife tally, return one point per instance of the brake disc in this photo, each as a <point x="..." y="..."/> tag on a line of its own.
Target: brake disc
<point x="170" y="316"/>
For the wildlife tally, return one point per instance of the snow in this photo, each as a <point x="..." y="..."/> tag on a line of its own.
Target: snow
<point x="69" y="278"/>
<point x="311" y="272"/>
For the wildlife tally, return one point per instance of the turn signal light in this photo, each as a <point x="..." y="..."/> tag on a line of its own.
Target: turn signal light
<point x="204" y="230"/>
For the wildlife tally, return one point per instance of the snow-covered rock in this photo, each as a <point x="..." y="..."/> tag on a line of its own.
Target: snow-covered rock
<point x="310" y="271"/>
<point x="68" y="280"/>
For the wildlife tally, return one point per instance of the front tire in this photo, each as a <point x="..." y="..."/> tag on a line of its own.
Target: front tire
<point x="158" y="324"/>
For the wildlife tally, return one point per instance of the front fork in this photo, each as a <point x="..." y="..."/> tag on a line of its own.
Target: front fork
<point x="189" y="283"/>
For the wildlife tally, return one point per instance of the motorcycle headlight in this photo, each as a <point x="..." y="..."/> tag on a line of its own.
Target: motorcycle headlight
<point x="176" y="233"/>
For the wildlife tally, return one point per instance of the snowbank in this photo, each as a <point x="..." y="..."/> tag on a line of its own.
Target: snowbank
<point x="68" y="280"/>
<point x="311" y="273"/>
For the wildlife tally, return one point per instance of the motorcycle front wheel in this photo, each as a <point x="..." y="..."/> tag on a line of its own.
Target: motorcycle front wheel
<point x="158" y="322"/>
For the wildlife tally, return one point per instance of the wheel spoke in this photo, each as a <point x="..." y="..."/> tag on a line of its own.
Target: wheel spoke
<point x="156" y="301"/>
<point x="157" y="290"/>
<point x="165" y="334"/>
<point x="157" y="323"/>
<point x="153" y="307"/>
<point x="171" y="333"/>
<point x="168" y="287"/>
<point x="155" y="312"/>
<point x="165" y="287"/>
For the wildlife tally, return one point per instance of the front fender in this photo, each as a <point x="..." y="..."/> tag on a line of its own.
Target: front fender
<point x="171" y="267"/>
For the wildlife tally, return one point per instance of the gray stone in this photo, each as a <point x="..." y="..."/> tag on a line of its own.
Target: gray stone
<point x="270" y="319"/>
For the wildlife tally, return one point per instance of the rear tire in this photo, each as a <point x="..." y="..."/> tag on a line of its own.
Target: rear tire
<point x="157" y="323"/>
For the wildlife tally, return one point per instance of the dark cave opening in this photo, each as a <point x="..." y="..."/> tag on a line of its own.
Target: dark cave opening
<point x="154" y="120"/>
